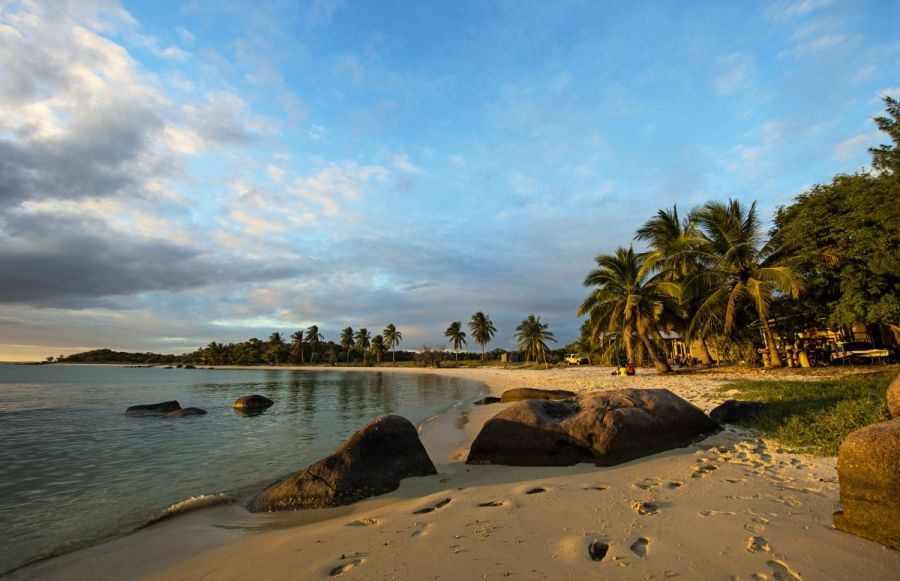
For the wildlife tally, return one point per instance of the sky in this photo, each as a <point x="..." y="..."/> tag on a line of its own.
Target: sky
<point x="173" y="173"/>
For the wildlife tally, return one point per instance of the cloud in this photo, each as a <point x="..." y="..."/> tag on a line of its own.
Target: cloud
<point x="734" y="69"/>
<point x="402" y="163"/>
<point x="853" y="146"/>
<point x="786" y="10"/>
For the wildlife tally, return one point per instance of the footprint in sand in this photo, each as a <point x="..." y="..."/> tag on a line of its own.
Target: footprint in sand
<point x="646" y="507"/>
<point x="363" y="522"/>
<point x="757" y="545"/>
<point x="601" y="488"/>
<point x="428" y="509"/>
<point x="341" y="569"/>
<point x="782" y="571"/>
<point x="646" y="483"/>
<point x="537" y="490"/>
<point x="639" y="547"/>
<point x="492" y="503"/>
<point x="757" y="525"/>
<point x="674" y="484"/>
<point x="716" y="513"/>
<point x="597" y="550"/>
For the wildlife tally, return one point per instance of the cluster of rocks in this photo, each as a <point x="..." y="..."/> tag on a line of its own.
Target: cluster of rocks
<point x="172" y="409"/>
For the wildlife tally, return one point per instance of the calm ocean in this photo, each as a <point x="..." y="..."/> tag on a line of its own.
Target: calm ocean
<point x="75" y="469"/>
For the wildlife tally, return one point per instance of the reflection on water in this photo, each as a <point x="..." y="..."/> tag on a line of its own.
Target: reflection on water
<point x="76" y="468"/>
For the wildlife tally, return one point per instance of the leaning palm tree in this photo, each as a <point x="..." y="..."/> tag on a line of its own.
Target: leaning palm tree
<point x="363" y="341"/>
<point x="740" y="269"/>
<point x="456" y="336"/>
<point x="532" y="336"/>
<point x="297" y="346"/>
<point x="392" y="338"/>
<point x="313" y="338"/>
<point x="630" y="299"/>
<point x="377" y="347"/>
<point x="672" y="241"/>
<point x="347" y="341"/>
<point x="482" y="329"/>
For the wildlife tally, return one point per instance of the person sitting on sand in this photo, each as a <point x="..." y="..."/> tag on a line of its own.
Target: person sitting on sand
<point x="630" y="369"/>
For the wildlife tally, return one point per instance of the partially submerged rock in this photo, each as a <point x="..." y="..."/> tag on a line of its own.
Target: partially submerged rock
<point x="373" y="461"/>
<point x="893" y="397"/>
<point x="869" y="476"/>
<point x="734" y="411"/>
<point x="183" y="412"/>
<point x="252" y="403"/>
<point x="526" y="393"/>
<point x="161" y="408"/>
<point x="606" y="428"/>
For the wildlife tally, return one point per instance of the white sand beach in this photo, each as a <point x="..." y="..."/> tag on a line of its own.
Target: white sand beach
<point x="733" y="506"/>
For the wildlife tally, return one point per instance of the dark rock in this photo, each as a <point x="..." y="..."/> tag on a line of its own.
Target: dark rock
<point x="735" y="412"/>
<point x="153" y="408"/>
<point x="488" y="400"/>
<point x="373" y="461"/>
<point x="526" y="393"/>
<point x="606" y="428"/>
<point x="252" y="403"/>
<point x="869" y="476"/>
<point x="597" y="550"/>
<point x="186" y="412"/>
<point x="893" y="397"/>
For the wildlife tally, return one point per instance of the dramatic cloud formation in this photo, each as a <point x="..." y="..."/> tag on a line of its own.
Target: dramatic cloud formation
<point x="223" y="170"/>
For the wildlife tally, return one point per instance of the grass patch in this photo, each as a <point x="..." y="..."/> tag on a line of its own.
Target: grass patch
<point x="816" y="416"/>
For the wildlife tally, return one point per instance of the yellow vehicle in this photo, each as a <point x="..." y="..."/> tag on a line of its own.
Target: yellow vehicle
<point x="573" y="359"/>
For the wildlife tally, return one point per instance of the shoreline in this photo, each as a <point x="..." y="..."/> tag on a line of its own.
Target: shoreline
<point x="730" y="506"/>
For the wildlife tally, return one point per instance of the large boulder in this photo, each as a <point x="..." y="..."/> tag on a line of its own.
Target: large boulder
<point x="526" y="393"/>
<point x="606" y="428"/>
<point x="161" y="408"/>
<point x="869" y="476"/>
<point x="252" y="403"/>
<point x="893" y="397"/>
<point x="184" y="412"/>
<point x="373" y="461"/>
<point x="734" y="411"/>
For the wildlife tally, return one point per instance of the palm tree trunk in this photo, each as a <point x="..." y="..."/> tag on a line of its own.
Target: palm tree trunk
<point x="774" y="357"/>
<point x="705" y="356"/>
<point x="629" y="348"/>
<point x="661" y="365"/>
<point x="482" y="352"/>
<point x="393" y="356"/>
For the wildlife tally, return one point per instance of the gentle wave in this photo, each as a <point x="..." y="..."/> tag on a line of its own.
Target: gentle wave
<point x="191" y="504"/>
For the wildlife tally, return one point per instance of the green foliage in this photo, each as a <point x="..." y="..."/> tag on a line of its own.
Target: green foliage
<point x="816" y="416"/>
<point x="532" y="336"/>
<point x="482" y="329"/>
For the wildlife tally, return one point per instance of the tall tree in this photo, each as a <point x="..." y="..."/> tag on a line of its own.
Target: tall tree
<point x="886" y="158"/>
<point x="630" y="298"/>
<point x="482" y="329"/>
<point x="297" y="346"/>
<point x="347" y="341"/>
<point x="363" y="342"/>
<point x="392" y="338"/>
<point x="313" y="338"/>
<point x="456" y="336"/>
<point x="741" y="268"/>
<point x="276" y="346"/>
<point x="378" y="347"/>
<point x="671" y="240"/>
<point x="532" y="336"/>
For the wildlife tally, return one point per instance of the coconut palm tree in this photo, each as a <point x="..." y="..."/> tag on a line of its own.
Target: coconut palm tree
<point x="377" y="347"/>
<point x="456" y="336"/>
<point x="347" y="341"/>
<point x="482" y="329"/>
<point x="276" y="345"/>
<point x="740" y="269"/>
<point x="532" y="336"/>
<point x="313" y="338"/>
<point x="672" y="241"/>
<point x="392" y="338"/>
<point x="363" y="341"/>
<point x="629" y="298"/>
<point x="297" y="346"/>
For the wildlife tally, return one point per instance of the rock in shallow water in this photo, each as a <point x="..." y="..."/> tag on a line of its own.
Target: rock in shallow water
<point x="606" y="428"/>
<point x="373" y="461"/>
<point x="869" y="476"/>
<point x="488" y="400"/>
<point x="252" y="403"/>
<point x="164" y="407"/>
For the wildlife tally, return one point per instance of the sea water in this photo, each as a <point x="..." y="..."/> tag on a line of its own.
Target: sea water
<point x="74" y="469"/>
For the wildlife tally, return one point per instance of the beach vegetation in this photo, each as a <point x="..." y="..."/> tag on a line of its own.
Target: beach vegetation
<point x="482" y="329"/>
<point x="392" y="338"/>
<point x="456" y="337"/>
<point x="532" y="336"/>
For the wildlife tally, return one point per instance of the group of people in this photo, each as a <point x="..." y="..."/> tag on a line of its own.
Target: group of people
<point x="623" y="371"/>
